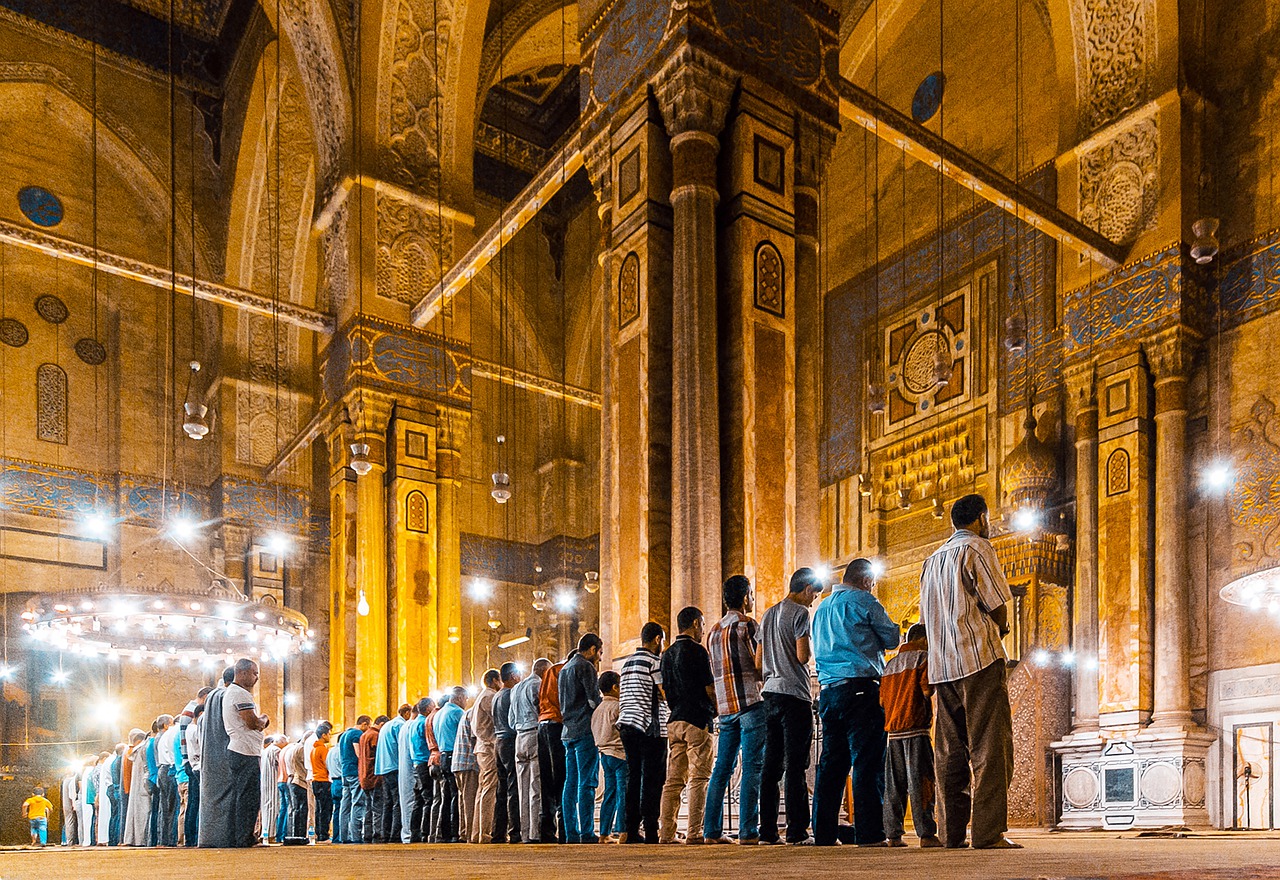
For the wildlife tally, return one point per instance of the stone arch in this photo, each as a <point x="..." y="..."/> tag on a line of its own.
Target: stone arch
<point x="531" y="35"/>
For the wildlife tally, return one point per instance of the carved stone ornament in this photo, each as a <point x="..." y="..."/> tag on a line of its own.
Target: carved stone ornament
<point x="1114" y="47"/>
<point x="770" y="284"/>
<point x="629" y="290"/>
<point x="693" y="91"/>
<point x="1119" y="183"/>
<point x="1118" y="472"/>
<point x="408" y="264"/>
<point x="407" y="119"/>
<point x="51" y="403"/>
<point x="13" y="332"/>
<point x="1170" y="354"/>
<point x="1254" y="500"/>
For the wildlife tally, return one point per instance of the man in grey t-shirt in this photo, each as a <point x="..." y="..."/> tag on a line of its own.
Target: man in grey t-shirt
<point x="788" y="701"/>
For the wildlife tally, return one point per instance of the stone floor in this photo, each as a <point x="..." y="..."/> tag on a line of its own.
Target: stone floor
<point x="1056" y="856"/>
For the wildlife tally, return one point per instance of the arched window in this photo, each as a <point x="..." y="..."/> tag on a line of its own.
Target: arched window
<point x="415" y="512"/>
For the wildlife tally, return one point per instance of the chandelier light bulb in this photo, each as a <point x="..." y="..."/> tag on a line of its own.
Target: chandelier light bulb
<point x="97" y="525"/>
<point x="591" y="581"/>
<point x="362" y="607"/>
<point x="183" y="528"/>
<point x="501" y="491"/>
<point x="566" y="602"/>
<point x="277" y="543"/>
<point x="194" y="423"/>
<point x="1026" y="519"/>
<point x="1217" y="477"/>
<point x="1205" y="245"/>
<point x="360" y="462"/>
<point x="453" y="636"/>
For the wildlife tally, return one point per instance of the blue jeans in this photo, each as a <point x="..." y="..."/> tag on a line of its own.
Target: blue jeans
<point x="40" y="830"/>
<point x="282" y="817"/>
<point x="613" y="819"/>
<point x="578" y="802"/>
<point x="360" y="807"/>
<point x="339" y="834"/>
<point x="349" y="789"/>
<point x="743" y="732"/>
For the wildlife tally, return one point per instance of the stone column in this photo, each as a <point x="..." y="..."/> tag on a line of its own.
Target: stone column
<point x="342" y="577"/>
<point x="1085" y="635"/>
<point x="600" y="171"/>
<point x="693" y="92"/>
<point x="371" y="660"/>
<point x="1169" y="357"/>
<point x="813" y="151"/>
<point x="450" y="435"/>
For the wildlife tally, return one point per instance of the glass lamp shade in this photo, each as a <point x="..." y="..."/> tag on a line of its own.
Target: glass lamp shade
<point x="362" y="607"/>
<point x="494" y="623"/>
<point x="501" y="491"/>
<point x="1015" y="334"/>
<point x="1205" y="246"/>
<point x="539" y="600"/>
<point x="591" y="582"/>
<point x="360" y="462"/>
<point x="193" y="422"/>
<point x="942" y="366"/>
<point x="877" y="397"/>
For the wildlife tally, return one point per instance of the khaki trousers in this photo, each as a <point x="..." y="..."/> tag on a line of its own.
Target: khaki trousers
<point x="974" y="727"/>
<point x="468" y="783"/>
<point x="182" y="813"/>
<point x="690" y="754"/>
<point x="486" y="797"/>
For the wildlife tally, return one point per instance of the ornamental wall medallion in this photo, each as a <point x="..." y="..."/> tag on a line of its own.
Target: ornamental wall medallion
<point x="51" y="308"/>
<point x="770" y="288"/>
<point x="13" y="332"/>
<point x="629" y="290"/>
<point x="911" y="347"/>
<point x="40" y="206"/>
<point x="91" y="351"/>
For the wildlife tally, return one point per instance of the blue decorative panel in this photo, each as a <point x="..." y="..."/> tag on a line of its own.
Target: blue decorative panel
<point x="1250" y="280"/>
<point x="265" y="504"/>
<point x="40" y="206"/>
<point x="629" y="40"/>
<point x="928" y="97"/>
<point x="51" y="491"/>
<point x="400" y="359"/>
<point x="1133" y="301"/>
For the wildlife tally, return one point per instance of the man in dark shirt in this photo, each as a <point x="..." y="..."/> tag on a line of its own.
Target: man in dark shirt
<point x="690" y="690"/>
<point x="506" y="811"/>
<point x="579" y="695"/>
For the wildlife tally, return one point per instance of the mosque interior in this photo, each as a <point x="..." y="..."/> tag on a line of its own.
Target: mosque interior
<point x="387" y="340"/>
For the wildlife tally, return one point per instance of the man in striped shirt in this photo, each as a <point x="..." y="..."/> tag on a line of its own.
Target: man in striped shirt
<point x="732" y="646"/>
<point x="642" y="724"/>
<point x="963" y="605"/>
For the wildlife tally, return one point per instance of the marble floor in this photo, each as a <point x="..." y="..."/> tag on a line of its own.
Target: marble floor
<point x="1051" y="856"/>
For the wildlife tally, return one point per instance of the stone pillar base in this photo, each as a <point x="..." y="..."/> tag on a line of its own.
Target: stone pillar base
<point x="1152" y="778"/>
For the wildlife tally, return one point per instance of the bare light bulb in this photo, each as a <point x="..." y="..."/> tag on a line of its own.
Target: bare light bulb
<point x="362" y="607"/>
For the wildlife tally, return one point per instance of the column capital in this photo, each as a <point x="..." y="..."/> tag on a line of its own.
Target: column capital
<point x="815" y="144"/>
<point x="693" y="91"/>
<point x="1170" y="352"/>
<point x="598" y="159"/>
<point x="1082" y="386"/>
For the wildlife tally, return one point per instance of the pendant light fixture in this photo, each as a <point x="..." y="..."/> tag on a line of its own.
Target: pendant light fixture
<point x="360" y="461"/>
<point x="194" y="424"/>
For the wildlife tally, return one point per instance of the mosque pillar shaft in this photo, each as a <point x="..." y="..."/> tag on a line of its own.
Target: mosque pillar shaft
<point x="450" y="435"/>
<point x="371" y="677"/>
<point x="693" y="92"/>
<point x="1169" y="359"/>
<point x="1085" y="636"/>
<point x="601" y="178"/>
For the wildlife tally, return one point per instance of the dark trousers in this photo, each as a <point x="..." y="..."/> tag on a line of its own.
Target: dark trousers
<point x="788" y="733"/>
<point x="646" y="774"/>
<point x="973" y="726"/>
<point x="168" y="821"/>
<point x="244" y="797"/>
<point x="853" y="738"/>
<point x="323" y="792"/>
<point x="297" y="810"/>
<point x="153" y="816"/>
<point x="551" y="769"/>
<point x="387" y="808"/>
<point x="191" y="827"/>
<point x="908" y="773"/>
<point x="444" y="823"/>
<point x="119" y="803"/>
<point x="423" y="798"/>
<point x="506" y="808"/>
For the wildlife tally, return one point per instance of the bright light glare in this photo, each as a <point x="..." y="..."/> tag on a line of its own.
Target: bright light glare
<point x="1040" y="657"/>
<point x="511" y="643"/>
<point x="481" y="589"/>
<point x="7" y="672"/>
<point x="1216" y="476"/>
<point x="291" y="699"/>
<point x="1069" y="658"/>
<point x="183" y="528"/>
<point x="96" y="525"/>
<point x="1026" y="519"/>
<point x="566" y="602"/>
<point x="823" y="573"/>
<point x="60" y="676"/>
<point x="877" y="568"/>
<point x="472" y="691"/>
<point x="277" y="543"/>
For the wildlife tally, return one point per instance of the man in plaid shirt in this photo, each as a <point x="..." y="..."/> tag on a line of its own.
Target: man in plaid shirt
<point x="732" y="646"/>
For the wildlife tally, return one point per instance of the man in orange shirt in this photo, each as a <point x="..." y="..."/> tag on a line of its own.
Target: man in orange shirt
<point x="551" y="753"/>
<point x="366" y="755"/>
<point x="908" y="756"/>
<point x="321" y="785"/>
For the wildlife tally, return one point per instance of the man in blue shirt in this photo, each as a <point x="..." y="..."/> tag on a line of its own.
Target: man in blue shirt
<point x="386" y="764"/>
<point x="851" y="632"/>
<point x="350" y="776"/>
<point x="444" y="725"/>
<point x="420" y="754"/>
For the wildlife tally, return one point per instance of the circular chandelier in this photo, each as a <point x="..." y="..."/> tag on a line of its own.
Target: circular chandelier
<point x="165" y="624"/>
<point x="1257" y="591"/>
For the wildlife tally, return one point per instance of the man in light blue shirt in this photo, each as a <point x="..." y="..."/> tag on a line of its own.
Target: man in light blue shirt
<point x="524" y="718"/>
<point x="404" y="772"/>
<point x="444" y="725"/>
<point x="333" y="763"/>
<point x="851" y="632"/>
<point x="386" y="764"/>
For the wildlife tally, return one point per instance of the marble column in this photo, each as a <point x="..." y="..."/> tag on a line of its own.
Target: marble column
<point x="1085" y="635"/>
<point x="371" y="577"/>
<point x="450" y="436"/>
<point x="1169" y="358"/>
<point x="693" y="93"/>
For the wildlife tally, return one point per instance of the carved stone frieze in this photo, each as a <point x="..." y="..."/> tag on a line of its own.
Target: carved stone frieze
<point x="408" y="254"/>
<point x="1119" y="183"/>
<point x="1170" y="354"/>
<point x="407" y="120"/>
<point x="1254" y="500"/>
<point x="1114" y="50"/>
<point x="332" y="295"/>
<point x="327" y="98"/>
